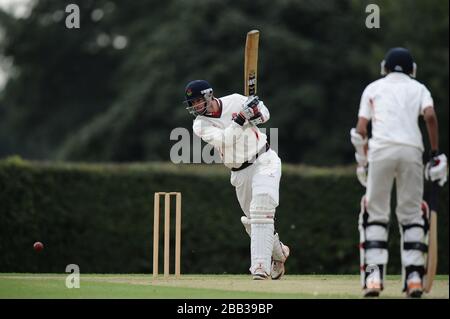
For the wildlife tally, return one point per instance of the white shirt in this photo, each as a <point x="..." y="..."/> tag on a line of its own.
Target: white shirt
<point x="236" y="144"/>
<point x="394" y="104"/>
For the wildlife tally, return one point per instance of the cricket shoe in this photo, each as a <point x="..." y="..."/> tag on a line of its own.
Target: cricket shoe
<point x="259" y="273"/>
<point x="373" y="286"/>
<point x="373" y="291"/>
<point x="278" y="265"/>
<point x="414" y="287"/>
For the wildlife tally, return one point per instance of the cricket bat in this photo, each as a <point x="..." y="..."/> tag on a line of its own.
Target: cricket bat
<point x="251" y="63"/>
<point x="432" y="257"/>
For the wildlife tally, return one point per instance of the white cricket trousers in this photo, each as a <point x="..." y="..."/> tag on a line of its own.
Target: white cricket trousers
<point x="260" y="181"/>
<point x="404" y="165"/>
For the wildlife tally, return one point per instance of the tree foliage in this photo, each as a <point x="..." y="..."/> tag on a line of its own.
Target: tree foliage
<point x="109" y="227"/>
<point x="78" y="95"/>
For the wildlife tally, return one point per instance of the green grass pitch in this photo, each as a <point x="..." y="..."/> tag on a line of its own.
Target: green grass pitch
<point x="199" y="287"/>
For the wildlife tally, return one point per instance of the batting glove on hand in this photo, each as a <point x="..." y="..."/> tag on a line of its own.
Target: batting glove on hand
<point x="361" y="173"/>
<point x="436" y="169"/>
<point x="361" y="159"/>
<point x="360" y="143"/>
<point x="250" y="108"/>
<point x="257" y="119"/>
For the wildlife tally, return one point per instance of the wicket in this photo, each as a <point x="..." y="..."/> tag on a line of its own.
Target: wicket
<point x="167" y="233"/>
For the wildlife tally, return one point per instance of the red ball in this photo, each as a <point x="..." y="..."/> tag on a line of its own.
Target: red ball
<point x="38" y="246"/>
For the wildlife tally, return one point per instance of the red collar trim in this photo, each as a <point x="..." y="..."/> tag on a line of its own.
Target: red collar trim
<point x="217" y="114"/>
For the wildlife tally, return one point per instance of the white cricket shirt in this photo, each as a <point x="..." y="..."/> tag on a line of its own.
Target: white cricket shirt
<point x="394" y="104"/>
<point x="236" y="144"/>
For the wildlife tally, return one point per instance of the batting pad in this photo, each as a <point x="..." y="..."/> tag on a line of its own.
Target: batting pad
<point x="277" y="252"/>
<point x="261" y="246"/>
<point x="376" y="256"/>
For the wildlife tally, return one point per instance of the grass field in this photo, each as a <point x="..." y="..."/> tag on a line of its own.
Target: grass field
<point x="199" y="287"/>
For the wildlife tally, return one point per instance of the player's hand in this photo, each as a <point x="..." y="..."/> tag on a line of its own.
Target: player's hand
<point x="239" y="119"/>
<point x="360" y="144"/>
<point x="361" y="173"/>
<point x="361" y="159"/>
<point x="250" y="108"/>
<point x="436" y="169"/>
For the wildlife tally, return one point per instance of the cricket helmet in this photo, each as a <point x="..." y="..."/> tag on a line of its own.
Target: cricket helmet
<point x="399" y="60"/>
<point x="198" y="89"/>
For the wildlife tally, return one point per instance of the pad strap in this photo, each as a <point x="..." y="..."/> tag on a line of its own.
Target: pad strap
<point x="413" y="245"/>
<point x="374" y="244"/>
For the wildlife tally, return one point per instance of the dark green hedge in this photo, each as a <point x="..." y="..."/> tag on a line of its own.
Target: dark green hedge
<point x="100" y="217"/>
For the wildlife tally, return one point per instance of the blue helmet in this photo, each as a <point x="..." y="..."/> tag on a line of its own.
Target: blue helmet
<point x="198" y="89"/>
<point x="399" y="60"/>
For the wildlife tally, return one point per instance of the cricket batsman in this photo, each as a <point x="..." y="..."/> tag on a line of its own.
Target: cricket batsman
<point x="230" y="124"/>
<point x="393" y="104"/>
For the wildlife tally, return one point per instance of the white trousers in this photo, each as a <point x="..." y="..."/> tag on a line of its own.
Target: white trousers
<point x="404" y="165"/>
<point x="262" y="178"/>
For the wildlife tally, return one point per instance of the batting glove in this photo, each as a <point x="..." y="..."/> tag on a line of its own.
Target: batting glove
<point x="359" y="142"/>
<point x="250" y="108"/>
<point x="239" y="119"/>
<point x="361" y="173"/>
<point x="436" y="168"/>
<point x="258" y="119"/>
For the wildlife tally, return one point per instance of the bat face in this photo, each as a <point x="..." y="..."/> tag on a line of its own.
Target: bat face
<point x="432" y="257"/>
<point x="251" y="63"/>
